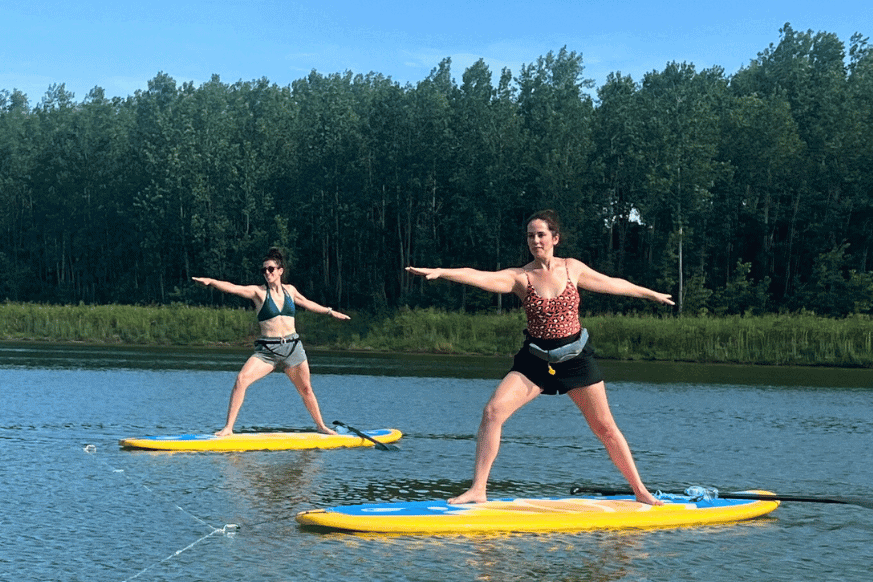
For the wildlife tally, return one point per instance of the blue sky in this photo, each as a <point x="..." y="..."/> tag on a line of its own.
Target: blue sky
<point x="121" y="45"/>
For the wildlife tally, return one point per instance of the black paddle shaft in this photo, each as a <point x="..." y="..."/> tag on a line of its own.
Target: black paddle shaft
<point x="380" y="446"/>
<point x="859" y="501"/>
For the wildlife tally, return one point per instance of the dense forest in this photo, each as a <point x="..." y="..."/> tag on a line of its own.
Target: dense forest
<point x="741" y="194"/>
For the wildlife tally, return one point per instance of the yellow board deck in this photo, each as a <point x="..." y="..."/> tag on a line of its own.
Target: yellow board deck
<point x="265" y="441"/>
<point x="534" y="515"/>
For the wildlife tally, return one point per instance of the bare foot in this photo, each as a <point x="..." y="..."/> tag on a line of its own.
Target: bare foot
<point x="470" y="496"/>
<point x="224" y="432"/>
<point x="648" y="498"/>
<point x="325" y="430"/>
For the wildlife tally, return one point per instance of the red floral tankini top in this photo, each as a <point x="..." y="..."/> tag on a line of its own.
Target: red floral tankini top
<point x="553" y="318"/>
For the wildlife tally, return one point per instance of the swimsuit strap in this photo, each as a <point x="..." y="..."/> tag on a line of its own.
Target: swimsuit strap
<point x="288" y="307"/>
<point x="530" y="285"/>
<point x="269" y="309"/>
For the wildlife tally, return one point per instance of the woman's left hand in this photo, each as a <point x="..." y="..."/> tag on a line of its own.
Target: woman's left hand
<point x="663" y="298"/>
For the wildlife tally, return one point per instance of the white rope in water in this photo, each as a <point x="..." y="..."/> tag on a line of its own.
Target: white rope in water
<point x="228" y="529"/>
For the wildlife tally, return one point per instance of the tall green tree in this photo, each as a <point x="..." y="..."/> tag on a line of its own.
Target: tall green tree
<point x="807" y="71"/>
<point x="427" y="198"/>
<point x="557" y="121"/>
<point x="18" y="280"/>
<point x="858" y="153"/>
<point x="328" y="131"/>
<point x="157" y="193"/>
<point x="618" y="135"/>
<point x="680" y="140"/>
<point x="388" y="136"/>
<point x="763" y="147"/>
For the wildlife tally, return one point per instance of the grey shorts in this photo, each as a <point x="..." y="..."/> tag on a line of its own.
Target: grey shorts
<point x="280" y="352"/>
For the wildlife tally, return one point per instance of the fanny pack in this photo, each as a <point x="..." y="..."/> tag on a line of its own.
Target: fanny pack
<point x="290" y="341"/>
<point x="264" y="341"/>
<point x="563" y="353"/>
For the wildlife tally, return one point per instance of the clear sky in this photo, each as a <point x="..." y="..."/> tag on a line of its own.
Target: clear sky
<point x="120" y="45"/>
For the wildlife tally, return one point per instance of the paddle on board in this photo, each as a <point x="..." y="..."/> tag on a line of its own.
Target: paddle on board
<point x="380" y="446"/>
<point x="851" y="500"/>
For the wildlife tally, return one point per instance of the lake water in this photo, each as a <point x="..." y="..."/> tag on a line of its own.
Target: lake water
<point x="77" y="508"/>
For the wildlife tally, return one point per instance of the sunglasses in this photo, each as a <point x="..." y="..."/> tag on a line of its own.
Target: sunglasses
<point x="270" y="269"/>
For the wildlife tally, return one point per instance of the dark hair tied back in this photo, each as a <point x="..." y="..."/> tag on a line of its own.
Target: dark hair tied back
<point x="274" y="254"/>
<point x="550" y="217"/>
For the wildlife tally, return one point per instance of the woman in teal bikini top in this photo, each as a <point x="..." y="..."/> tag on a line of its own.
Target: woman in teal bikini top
<point x="269" y="309"/>
<point x="282" y="352"/>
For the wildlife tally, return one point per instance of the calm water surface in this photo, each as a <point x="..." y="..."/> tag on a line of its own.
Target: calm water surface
<point x="76" y="507"/>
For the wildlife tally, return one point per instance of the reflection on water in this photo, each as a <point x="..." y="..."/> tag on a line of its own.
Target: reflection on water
<point x="272" y="482"/>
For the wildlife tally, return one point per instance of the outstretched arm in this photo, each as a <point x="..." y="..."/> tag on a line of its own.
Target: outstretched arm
<point x="591" y="280"/>
<point x="504" y="281"/>
<point x="244" y="291"/>
<point x="309" y="305"/>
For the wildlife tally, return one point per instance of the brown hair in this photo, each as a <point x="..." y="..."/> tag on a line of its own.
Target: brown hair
<point x="550" y="217"/>
<point x="275" y="255"/>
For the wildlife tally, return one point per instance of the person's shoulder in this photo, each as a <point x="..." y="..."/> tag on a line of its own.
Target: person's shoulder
<point x="576" y="268"/>
<point x="516" y="272"/>
<point x="519" y="278"/>
<point x="252" y="292"/>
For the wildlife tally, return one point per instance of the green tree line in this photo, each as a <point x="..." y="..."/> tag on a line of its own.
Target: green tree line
<point x="748" y="193"/>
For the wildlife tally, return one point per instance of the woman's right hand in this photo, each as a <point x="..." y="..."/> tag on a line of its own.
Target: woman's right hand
<point x="202" y="280"/>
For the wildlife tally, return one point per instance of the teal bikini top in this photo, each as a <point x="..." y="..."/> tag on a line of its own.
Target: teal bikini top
<point x="269" y="309"/>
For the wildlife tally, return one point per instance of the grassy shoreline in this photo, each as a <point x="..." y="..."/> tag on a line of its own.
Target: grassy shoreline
<point x="770" y="339"/>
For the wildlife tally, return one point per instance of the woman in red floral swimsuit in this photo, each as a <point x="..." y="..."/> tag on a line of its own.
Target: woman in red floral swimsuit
<point x="547" y="287"/>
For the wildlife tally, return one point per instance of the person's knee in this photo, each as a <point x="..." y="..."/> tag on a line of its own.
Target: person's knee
<point x="304" y="388"/>
<point x="242" y="382"/>
<point x="494" y="412"/>
<point x="605" y="431"/>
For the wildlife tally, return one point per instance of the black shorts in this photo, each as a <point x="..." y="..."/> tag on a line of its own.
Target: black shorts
<point x="579" y="372"/>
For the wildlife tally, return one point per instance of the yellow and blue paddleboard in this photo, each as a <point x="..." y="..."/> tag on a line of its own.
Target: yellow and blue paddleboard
<point x="263" y="441"/>
<point x="535" y="515"/>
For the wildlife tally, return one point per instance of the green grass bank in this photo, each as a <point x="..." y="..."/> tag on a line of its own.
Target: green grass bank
<point x="770" y="339"/>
